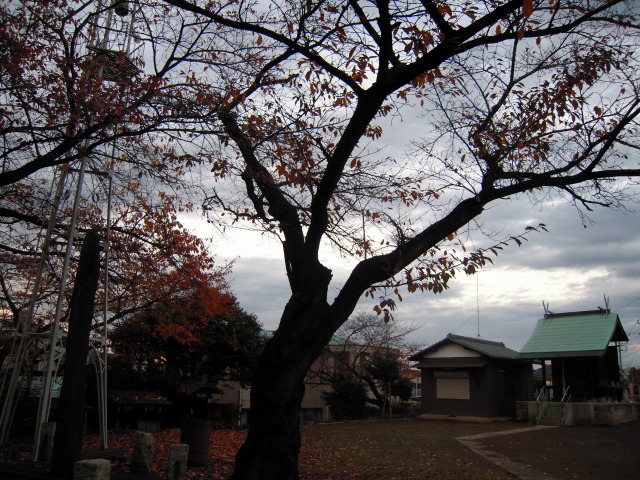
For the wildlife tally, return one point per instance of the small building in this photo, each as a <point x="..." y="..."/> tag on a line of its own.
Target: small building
<point x="194" y="399"/>
<point x="582" y="348"/>
<point x="137" y="410"/>
<point x="472" y="377"/>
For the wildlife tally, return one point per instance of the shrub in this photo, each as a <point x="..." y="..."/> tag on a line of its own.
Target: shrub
<point x="347" y="398"/>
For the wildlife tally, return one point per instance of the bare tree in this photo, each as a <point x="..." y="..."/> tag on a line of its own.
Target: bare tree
<point x="77" y="76"/>
<point x="359" y="340"/>
<point x="295" y="103"/>
<point x="82" y="82"/>
<point x="516" y="97"/>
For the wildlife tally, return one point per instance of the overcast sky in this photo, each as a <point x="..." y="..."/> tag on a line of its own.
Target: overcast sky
<point x="571" y="268"/>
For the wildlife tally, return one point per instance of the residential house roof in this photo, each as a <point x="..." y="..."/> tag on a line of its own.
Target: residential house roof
<point x="198" y="387"/>
<point x="574" y="334"/>
<point x="138" y="397"/>
<point x="487" y="348"/>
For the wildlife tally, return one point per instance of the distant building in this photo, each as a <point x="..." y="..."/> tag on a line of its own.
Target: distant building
<point x="472" y="377"/>
<point x="339" y="356"/>
<point x="137" y="410"/>
<point x="582" y="348"/>
<point x="581" y="383"/>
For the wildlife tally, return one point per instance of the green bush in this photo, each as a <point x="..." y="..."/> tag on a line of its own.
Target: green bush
<point x="347" y="398"/>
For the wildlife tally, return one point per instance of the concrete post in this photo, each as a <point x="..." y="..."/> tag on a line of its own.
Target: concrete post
<point x="97" y="469"/>
<point x="144" y="449"/>
<point x="47" y="434"/>
<point x="177" y="464"/>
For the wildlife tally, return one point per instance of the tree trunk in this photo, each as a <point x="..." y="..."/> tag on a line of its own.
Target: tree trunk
<point x="271" y="449"/>
<point x="272" y="446"/>
<point x="70" y="421"/>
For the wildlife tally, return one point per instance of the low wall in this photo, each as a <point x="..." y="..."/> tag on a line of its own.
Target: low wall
<point x="526" y="411"/>
<point x="615" y="413"/>
<point x="585" y="413"/>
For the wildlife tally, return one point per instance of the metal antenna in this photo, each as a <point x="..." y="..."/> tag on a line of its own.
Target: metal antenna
<point x="478" y="300"/>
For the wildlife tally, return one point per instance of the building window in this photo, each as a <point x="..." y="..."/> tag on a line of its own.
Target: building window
<point x="341" y="361"/>
<point x="452" y="385"/>
<point x="417" y="391"/>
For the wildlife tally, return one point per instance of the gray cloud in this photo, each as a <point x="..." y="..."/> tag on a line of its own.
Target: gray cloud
<point x="260" y="284"/>
<point x="571" y="268"/>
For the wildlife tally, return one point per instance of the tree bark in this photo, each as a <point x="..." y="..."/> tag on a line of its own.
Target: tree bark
<point x="271" y="449"/>
<point x="273" y="442"/>
<point x="70" y="422"/>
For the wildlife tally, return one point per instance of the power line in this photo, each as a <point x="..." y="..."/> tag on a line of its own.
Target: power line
<point x="632" y="301"/>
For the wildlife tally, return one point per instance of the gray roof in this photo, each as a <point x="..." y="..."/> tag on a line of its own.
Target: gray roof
<point x="488" y="348"/>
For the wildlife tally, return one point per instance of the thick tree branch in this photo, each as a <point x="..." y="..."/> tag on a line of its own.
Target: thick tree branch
<point x="278" y="206"/>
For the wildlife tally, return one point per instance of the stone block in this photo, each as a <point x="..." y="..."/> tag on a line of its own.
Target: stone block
<point x="96" y="469"/>
<point x="144" y="450"/>
<point x="177" y="463"/>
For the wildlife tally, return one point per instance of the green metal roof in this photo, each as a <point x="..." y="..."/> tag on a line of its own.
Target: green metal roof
<point x="574" y="334"/>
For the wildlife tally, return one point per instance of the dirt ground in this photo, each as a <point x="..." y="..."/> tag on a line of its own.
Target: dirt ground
<point x="599" y="452"/>
<point x="403" y="450"/>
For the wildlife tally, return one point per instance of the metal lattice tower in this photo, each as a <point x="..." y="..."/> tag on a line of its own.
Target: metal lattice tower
<point x="109" y="49"/>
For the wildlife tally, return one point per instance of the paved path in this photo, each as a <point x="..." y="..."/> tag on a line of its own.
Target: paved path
<point x="563" y="453"/>
<point x="520" y="470"/>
